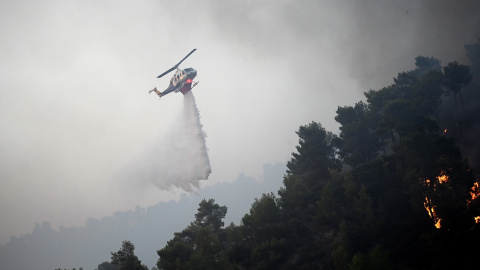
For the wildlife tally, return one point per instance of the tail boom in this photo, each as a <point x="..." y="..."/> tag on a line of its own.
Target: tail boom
<point x="156" y="91"/>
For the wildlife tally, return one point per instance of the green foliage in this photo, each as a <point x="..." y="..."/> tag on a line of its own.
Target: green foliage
<point x="429" y="92"/>
<point x="108" y="266"/>
<point x="208" y="252"/>
<point x="404" y="85"/>
<point x="457" y="76"/>
<point x="316" y="153"/>
<point x="328" y="207"/>
<point x="358" y="141"/>
<point x="340" y="258"/>
<point x="376" y="259"/>
<point x="264" y="220"/>
<point x="210" y="215"/>
<point x="199" y="245"/>
<point x="126" y="259"/>
<point x="424" y="65"/>
<point x="268" y="254"/>
<point x="177" y="252"/>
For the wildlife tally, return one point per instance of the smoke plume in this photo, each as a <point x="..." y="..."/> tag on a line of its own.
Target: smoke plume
<point x="180" y="159"/>
<point x="462" y="122"/>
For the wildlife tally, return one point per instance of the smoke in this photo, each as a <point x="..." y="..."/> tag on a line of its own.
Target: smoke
<point x="463" y="122"/>
<point x="180" y="159"/>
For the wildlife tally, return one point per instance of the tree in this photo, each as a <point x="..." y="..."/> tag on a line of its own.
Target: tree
<point x="316" y="153"/>
<point x="429" y="93"/>
<point x="208" y="252"/>
<point x="263" y="233"/>
<point x="263" y="221"/>
<point x="402" y="116"/>
<point x="210" y="215"/>
<point x="424" y="65"/>
<point x="457" y="76"/>
<point x="126" y="259"/>
<point x="404" y="85"/>
<point x="376" y="102"/>
<point x="269" y="254"/>
<point x="376" y="259"/>
<point x="178" y="251"/>
<point x="108" y="266"/>
<point x="358" y="141"/>
<point x="198" y="245"/>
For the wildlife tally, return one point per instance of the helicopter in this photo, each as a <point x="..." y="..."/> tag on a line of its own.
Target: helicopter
<point x="181" y="81"/>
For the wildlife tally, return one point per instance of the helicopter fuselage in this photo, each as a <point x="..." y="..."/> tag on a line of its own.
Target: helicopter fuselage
<point x="181" y="76"/>
<point x="182" y="80"/>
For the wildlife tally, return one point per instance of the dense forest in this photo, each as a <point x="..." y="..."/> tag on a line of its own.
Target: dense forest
<point x="395" y="189"/>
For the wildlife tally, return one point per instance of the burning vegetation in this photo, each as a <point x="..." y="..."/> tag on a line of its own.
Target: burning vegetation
<point x="428" y="204"/>
<point x="474" y="192"/>
<point x="441" y="180"/>
<point x="431" y="212"/>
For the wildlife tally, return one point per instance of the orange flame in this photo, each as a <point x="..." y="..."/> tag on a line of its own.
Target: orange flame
<point x="442" y="178"/>
<point x="437" y="224"/>
<point x="474" y="192"/>
<point x="431" y="212"/>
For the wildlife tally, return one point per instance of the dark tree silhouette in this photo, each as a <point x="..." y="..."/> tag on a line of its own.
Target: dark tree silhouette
<point x="457" y="76"/>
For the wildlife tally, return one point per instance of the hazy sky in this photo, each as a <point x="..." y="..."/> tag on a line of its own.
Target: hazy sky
<point x="75" y="112"/>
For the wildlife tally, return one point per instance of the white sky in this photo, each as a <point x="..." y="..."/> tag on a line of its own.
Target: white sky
<point x="74" y="79"/>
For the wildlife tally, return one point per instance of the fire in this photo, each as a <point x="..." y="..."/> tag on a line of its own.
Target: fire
<point x="427" y="182"/>
<point x="442" y="178"/>
<point x="445" y="131"/>
<point x="474" y="192"/>
<point x="431" y="212"/>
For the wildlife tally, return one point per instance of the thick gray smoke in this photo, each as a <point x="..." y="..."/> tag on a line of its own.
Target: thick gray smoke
<point x="180" y="159"/>
<point x="461" y="120"/>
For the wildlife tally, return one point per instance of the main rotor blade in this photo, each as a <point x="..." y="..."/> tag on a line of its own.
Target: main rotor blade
<point x="184" y="58"/>
<point x="166" y="72"/>
<point x="176" y="66"/>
